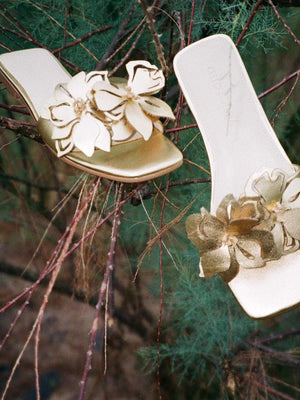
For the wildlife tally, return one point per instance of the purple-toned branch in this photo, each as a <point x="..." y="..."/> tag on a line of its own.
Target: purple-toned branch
<point x="102" y="292"/>
<point x="296" y="40"/>
<point x="279" y="84"/>
<point x="81" y="39"/>
<point x="255" y="9"/>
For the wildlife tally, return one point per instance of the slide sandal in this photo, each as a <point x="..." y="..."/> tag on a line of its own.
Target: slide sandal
<point x="253" y="239"/>
<point x="106" y="127"/>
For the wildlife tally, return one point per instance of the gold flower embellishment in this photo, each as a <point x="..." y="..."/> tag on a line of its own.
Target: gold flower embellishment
<point x="232" y="238"/>
<point x="130" y="106"/>
<point x="76" y="123"/>
<point x="280" y="196"/>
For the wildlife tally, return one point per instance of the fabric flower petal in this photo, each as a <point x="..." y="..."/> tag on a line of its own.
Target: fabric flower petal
<point x="138" y="119"/>
<point x="85" y="134"/>
<point x="222" y="211"/>
<point x="248" y="254"/>
<point x="193" y="224"/>
<point x="159" y="126"/>
<point x="278" y="237"/>
<point x="117" y="113"/>
<point x="214" y="261"/>
<point x="107" y="96"/>
<point x="291" y="195"/>
<point x="212" y="228"/>
<point x="77" y="86"/>
<point x="61" y="94"/>
<point x="247" y="207"/>
<point x="64" y="147"/>
<point x="61" y="115"/>
<point x="103" y="140"/>
<point x="266" y="240"/>
<point x="233" y="270"/>
<point x="156" y="107"/>
<point x="121" y="130"/>
<point x="144" y="78"/>
<point x="291" y="222"/>
<point x="270" y="185"/>
<point x="95" y="76"/>
<point x="62" y="133"/>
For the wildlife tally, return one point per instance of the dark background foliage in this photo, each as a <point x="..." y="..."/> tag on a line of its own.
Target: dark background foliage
<point x="208" y="348"/>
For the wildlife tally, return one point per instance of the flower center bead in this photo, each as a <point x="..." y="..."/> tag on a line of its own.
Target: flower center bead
<point x="274" y="206"/>
<point x="229" y="240"/>
<point x="129" y="94"/>
<point x="79" y="106"/>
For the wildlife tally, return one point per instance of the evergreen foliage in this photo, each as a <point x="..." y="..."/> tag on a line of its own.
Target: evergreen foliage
<point x="203" y="327"/>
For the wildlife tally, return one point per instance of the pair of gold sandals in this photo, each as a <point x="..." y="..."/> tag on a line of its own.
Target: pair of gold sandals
<point x="111" y="127"/>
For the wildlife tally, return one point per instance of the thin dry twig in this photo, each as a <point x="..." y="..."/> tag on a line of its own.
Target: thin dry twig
<point x="66" y="22"/>
<point x="113" y="45"/>
<point x="296" y="40"/>
<point x="48" y="269"/>
<point x="82" y="38"/>
<point x="271" y="390"/>
<point x="157" y="44"/>
<point x="284" y="101"/>
<point x="69" y="233"/>
<point x="255" y="9"/>
<point x="279" y="84"/>
<point x="15" y="108"/>
<point x="102" y="292"/>
<point x="127" y="55"/>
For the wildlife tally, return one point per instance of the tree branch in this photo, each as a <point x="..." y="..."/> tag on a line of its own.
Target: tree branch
<point x="67" y="290"/>
<point x="24" y="128"/>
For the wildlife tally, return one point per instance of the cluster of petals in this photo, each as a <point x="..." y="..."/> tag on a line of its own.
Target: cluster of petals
<point x="90" y="111"/>
<point x="250" y="231"/>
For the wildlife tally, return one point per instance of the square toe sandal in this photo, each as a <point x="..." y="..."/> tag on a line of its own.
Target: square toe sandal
<point x="107" y="127"/>
<point x="251" y="236"/>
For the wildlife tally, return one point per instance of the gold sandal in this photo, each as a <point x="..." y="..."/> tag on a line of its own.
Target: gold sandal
<point x="106" y="127"/>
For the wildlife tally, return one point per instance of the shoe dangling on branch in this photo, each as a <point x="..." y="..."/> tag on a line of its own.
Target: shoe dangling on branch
<point x="251" y="237"/>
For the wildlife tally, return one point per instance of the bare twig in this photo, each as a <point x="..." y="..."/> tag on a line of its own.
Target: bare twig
<point x="255" y="9"/>
<point x="18" y="109"/>
<point x="281" y="83"/>
<point x="180" y="28"/>
<point x="23" y="128"/>
<point x="102" y="292"/>
<point x="281" y="356"/>
<point x="68" y="235"/>
<point x="34" y="185"/>
<point x="111" y="48"/>
<point x="123" y="44"/>
<point x="66" y="22"/>
<point x="66" y="290"/>
<point x="181" y="128"/>
<point x="280" y="336"/>
<point x="48" y="270"/>
<point x="127" y="55"/>
<point x="284" y="101"/>
<point x="157" y="44"/>
<point x="296" y="40"/>
<point x="191" y="23"/>
<point x="271" y="390"/>
<point x="30" y="39"/>
<point x="82" y="38"/>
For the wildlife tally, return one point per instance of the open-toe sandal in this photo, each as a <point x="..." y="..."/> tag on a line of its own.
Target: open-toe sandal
<point x="251" y="237"/>
<point x="107" y="127"/>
